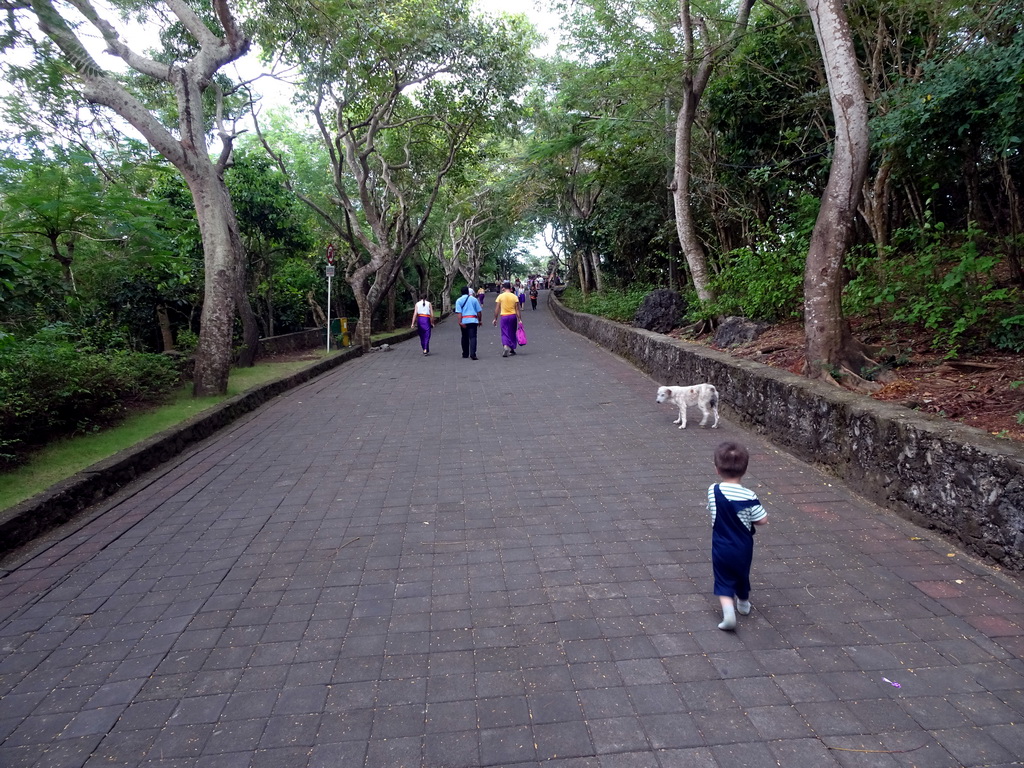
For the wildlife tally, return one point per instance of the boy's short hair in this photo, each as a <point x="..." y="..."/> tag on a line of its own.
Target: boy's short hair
<point x="731" y="459"/>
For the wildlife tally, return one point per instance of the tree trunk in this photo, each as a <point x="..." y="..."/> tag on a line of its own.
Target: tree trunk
<point x="972" y="185"/>
<point x="164" y="322"/>
<point x="875" y="206"/>
<point x="686" y="229"/>
<point x="357" y="281"/>
<point x="316" y="311"/>
<point x="390" y="321"/>
<point x="475" y="262"/>
<point x="364" y="326"/>
<point x="222" y="250"/>
<point x="1016" y="223"/>
<point x="695" y="80"/>
<point x="65" y="261"/>
<point x="595" y="269"/>
<point x="250" y="328"/>
<point x="831" y="350"/>
<point x="446" y="291"/>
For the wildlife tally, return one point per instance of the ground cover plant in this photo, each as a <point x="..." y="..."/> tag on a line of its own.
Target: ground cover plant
<point x="63" y="457"/>
<point x="51" y="387"/>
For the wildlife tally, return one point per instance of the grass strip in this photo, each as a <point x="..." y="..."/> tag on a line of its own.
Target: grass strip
<point x="64" y="458"/>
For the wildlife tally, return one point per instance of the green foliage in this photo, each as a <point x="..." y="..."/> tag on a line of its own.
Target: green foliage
<point x="1009" y="334"/>
<point x="63" y="458"/>
<point x="943" y="282"/>
<point x="957" y="127"/>
<point x="292" y="282"/>
<point x="90" y="248"/>
<point x="768" y="119"/>
<point x="52" y="385"/>
<point x="765" y="282"/>
<point x="762" y="283"/>
<point x="972" y="98"/>
<point x="618" y="304"/>
<point x="186" y="340"/>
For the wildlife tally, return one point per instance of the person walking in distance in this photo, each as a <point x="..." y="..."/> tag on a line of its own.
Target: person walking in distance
<point x="470" y="314"/>
<point x="423" y="321"/>
<point x="506" y="309"/>
<point x="533" y="295"/>
<point x="735" y="511"/>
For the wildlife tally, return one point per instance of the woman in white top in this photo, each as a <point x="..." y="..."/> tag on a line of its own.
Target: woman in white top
<point x="423" y="321"/>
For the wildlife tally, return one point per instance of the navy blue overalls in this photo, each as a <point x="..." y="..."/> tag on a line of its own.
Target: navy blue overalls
<point x="732" y="547"/>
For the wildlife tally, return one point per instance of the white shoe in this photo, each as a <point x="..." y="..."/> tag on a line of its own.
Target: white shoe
<point x="743" y="607"/>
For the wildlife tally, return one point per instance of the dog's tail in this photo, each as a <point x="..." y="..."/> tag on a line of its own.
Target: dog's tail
<point x="714" y="397"/>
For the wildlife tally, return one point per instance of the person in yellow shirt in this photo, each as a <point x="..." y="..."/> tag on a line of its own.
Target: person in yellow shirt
<point x="506" y="309"/>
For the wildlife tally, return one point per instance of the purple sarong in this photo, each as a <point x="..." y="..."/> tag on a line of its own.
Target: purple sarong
<point x="508" y="331"/>
<point x="423" y="326"/>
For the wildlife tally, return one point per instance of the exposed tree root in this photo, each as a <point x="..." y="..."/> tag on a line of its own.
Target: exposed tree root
<point x="842" y="370"/>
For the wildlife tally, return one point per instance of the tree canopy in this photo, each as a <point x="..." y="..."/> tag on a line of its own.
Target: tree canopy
<point x="683" y="145"/>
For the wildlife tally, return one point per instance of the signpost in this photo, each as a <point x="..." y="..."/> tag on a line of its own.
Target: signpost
<point x="330" y="274"/>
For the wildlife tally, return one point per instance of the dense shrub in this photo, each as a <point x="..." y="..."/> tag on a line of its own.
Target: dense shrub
<point x="51" y="387"/>
<point x="614" y="303"/>
<point x="763" y="284"/>
<point x="945" y="282"/>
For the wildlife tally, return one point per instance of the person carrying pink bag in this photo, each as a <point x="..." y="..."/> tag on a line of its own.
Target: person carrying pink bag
<point x="506" y="309"/>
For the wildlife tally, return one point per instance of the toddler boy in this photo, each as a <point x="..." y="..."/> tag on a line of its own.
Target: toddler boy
<point x="735" y="511"/>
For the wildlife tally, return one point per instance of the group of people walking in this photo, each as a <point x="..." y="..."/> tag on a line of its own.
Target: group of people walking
<point x="469" y="311"/>
<point x="735" y="510"/>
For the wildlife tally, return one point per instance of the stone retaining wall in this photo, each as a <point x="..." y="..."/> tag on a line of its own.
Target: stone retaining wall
<point x="958" y="480"/>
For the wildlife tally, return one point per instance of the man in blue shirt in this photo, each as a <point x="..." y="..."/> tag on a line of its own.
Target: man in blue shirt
<point x="469" y="313"/>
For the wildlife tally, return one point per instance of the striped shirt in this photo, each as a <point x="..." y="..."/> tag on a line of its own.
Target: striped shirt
<point x="736" y="492"/>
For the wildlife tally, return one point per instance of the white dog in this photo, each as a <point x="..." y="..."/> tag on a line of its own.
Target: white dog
<point x="705" y="396"/>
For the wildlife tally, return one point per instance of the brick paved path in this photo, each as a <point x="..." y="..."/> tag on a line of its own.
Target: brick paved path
<point x="438" y="562"/>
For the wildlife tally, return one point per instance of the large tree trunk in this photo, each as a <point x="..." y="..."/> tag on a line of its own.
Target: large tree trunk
<point x="831" y="350"/>
<point x="364" y="326"/>
<point x="446" y="290"/>
<point x="222" y="250"/>
<point x="582" y="272"/>
<point x="218" y="40"/>
<point x="361" y="292"/>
